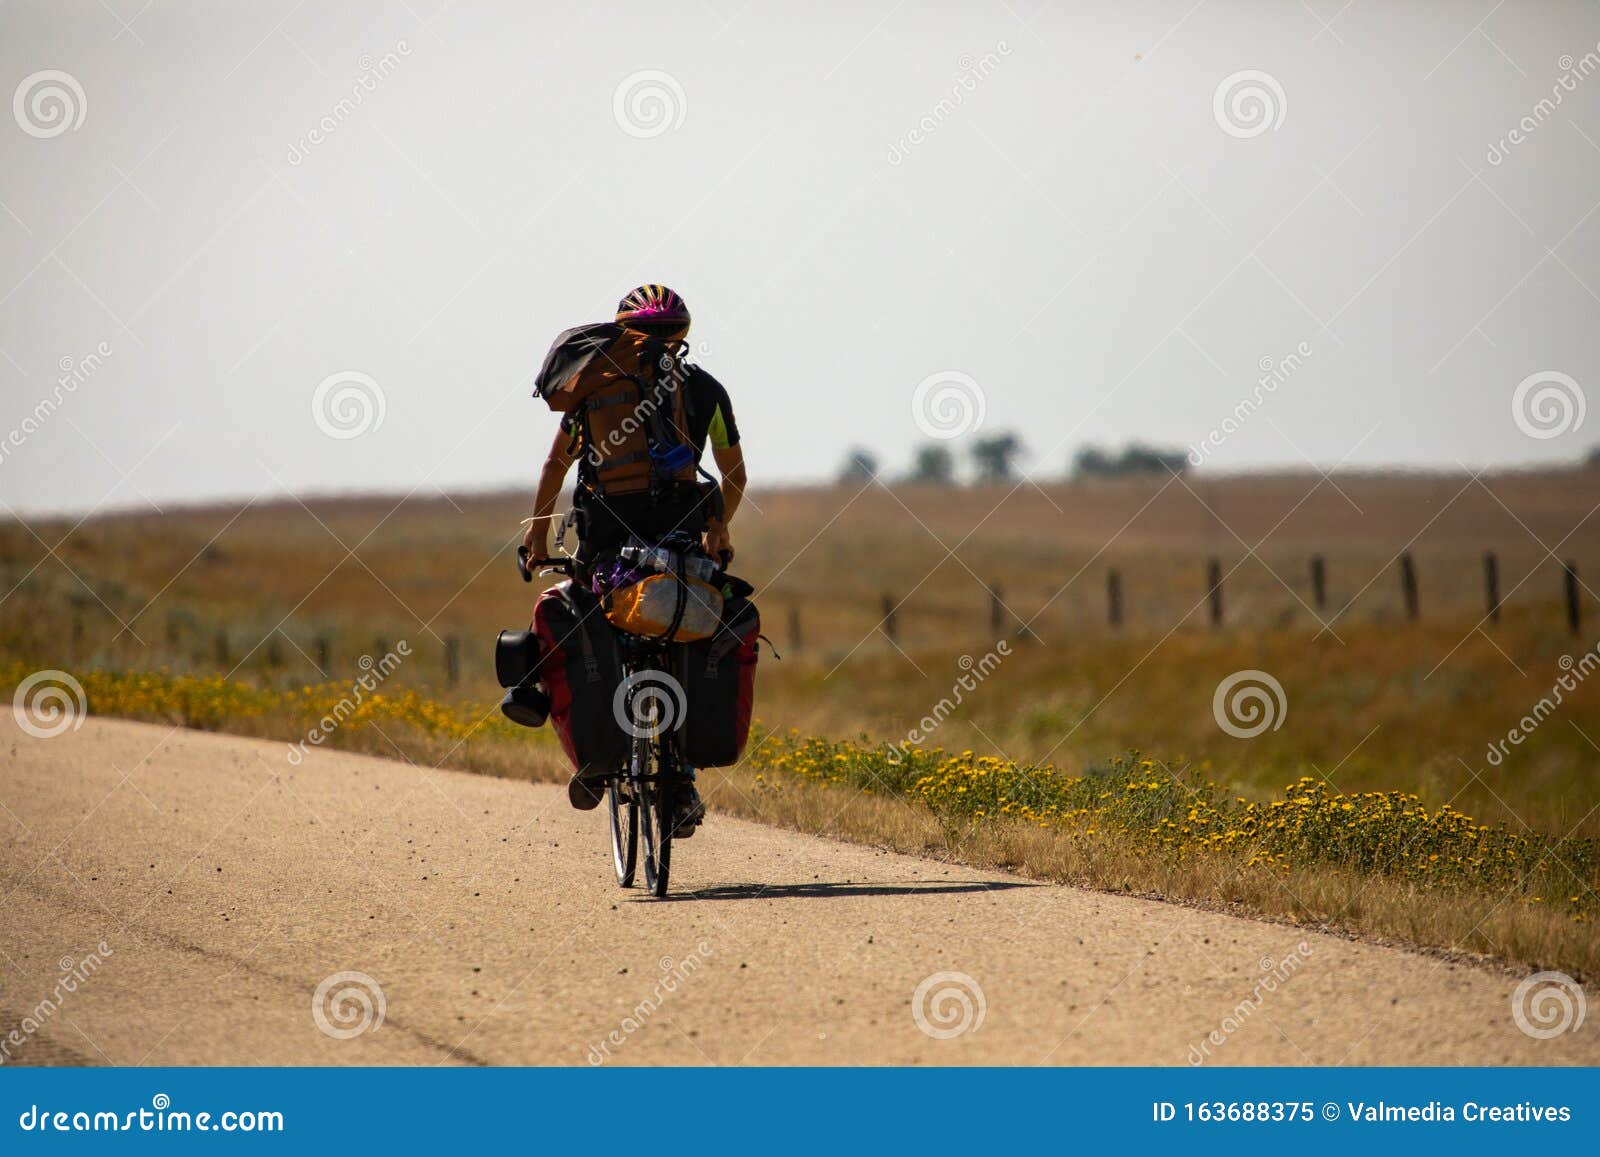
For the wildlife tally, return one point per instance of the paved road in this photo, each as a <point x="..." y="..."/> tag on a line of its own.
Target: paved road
<point x="198" y="889"/>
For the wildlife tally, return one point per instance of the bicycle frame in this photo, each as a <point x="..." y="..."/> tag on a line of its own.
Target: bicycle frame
<point x="641" y="796"/>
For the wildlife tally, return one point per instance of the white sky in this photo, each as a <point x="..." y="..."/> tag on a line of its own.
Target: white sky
<point x="1079" y="235"/>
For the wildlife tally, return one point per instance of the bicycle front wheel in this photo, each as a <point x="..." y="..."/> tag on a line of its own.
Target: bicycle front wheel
<point x="655" y="820"/>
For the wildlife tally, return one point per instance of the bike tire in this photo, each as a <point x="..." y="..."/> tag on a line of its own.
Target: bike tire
<point x="655" y="819"/>
<point x="624" y="834"/>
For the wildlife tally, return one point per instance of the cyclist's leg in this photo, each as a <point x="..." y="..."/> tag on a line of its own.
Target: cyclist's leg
<point x="689" y="810"/>
<point x="585" y="794"/>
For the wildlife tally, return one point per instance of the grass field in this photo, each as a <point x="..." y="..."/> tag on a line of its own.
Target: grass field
<point x="1372" y="700"/>
<point x="434" y="565"/>
<point x="283" y="594"/>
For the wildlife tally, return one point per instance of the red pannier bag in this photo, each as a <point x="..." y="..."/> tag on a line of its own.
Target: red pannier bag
<point x="581" y="667"/>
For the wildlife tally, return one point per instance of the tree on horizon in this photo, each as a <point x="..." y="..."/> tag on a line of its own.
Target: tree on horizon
<point x="994" y="458"/>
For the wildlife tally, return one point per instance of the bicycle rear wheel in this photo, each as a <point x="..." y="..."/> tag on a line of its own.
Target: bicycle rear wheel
<point x="655" y="820"/>
<point x="624" y="833"/>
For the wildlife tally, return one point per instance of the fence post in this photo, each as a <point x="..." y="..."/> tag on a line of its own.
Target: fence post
<point x="794" y="628"/>
<point x="1574" y="606"/>
<point x="173" y="631"/>
<point x="322" y="655"/>
<point x="997" y="611"/>
<point x="1408" y="586"/>
<point x="452" y="661"/>
<point x="1319" y="582"/>
<point x="1214" y="585"/>
<point x="274" y="651"/>
<point x="381" y="648"/>
<point x="224" y="660"/>
<point x="1491" y="585"/>
<point x="1114" y="598"/>
<point x="890" y="630"/>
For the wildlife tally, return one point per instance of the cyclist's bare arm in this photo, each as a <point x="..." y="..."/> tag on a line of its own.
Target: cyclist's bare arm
<point x="551" y="478"/>
<point x="730" y="464"/>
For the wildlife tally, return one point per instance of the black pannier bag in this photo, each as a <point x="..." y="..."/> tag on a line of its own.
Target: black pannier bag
<point x="719" y="681"/>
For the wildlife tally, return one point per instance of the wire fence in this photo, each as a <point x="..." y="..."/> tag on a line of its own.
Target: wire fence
<point x="51" y="618"/>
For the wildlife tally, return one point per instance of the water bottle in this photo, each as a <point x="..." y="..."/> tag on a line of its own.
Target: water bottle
<point x="659" y="558"/>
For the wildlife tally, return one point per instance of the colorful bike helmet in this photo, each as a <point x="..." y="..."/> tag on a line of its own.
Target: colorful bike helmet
<point x="654" y="308"/>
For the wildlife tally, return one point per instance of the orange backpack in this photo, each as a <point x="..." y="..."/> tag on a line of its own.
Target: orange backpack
<point x="622" y="393"/>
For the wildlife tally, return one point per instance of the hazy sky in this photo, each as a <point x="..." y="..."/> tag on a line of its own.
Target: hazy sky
<point x="1056" y="211"/>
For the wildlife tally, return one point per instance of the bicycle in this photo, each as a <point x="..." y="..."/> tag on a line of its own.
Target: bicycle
<point x="642" y="796"/>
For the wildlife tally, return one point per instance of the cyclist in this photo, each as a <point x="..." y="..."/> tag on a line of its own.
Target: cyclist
<point x="605" y="522"/>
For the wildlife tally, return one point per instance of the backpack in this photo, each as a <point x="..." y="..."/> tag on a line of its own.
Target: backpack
<point x="622" y="393"/>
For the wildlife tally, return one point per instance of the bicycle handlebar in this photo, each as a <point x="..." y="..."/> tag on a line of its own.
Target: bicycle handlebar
<point x="527" y="564"/>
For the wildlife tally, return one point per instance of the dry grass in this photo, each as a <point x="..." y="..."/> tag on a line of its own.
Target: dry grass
<point x="1378" y="708"/>
<point x="429" y="564"/>
<point x="1477" y="925"/>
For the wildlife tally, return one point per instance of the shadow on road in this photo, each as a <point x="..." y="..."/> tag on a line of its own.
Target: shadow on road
<point x="815" y="890"/>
